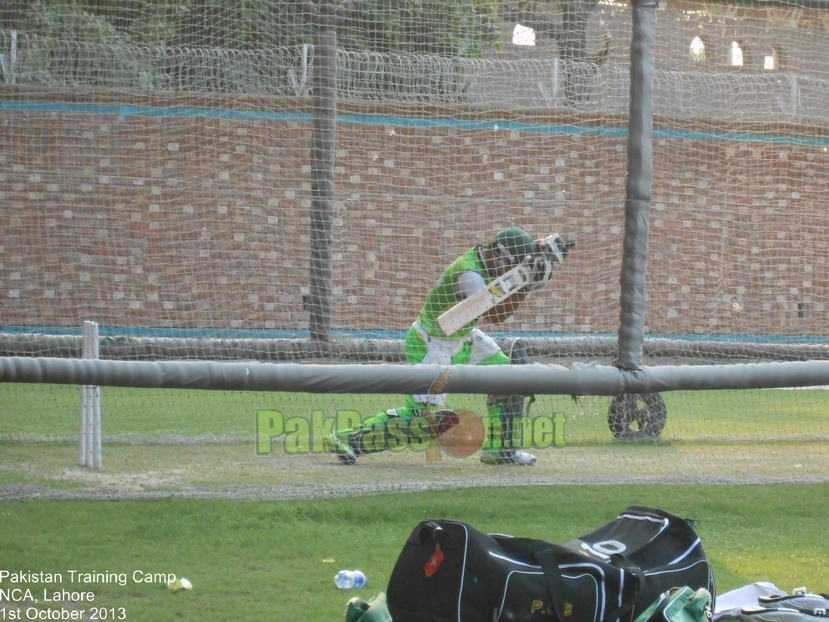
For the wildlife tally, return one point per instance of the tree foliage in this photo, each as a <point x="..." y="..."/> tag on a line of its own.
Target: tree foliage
<point x="446" y="27"/>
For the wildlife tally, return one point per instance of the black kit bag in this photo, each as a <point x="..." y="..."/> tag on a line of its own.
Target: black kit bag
<point x="449" y="571"/>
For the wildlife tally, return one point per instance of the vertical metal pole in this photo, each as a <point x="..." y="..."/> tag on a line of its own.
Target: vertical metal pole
<point x="324" y="139"/>
<point x="304" y="80"/>
<point x="90" y="396"/>
<point x="82" y="428"/>
<point x="795" y="97"/>
<point x="638" y="189"/>
<point x="97" y="458"/>
<point x="555" y="81"/>
<point x="89" y="441"/>
<point x="90" y="427"/>
<point x="13" y="58"/>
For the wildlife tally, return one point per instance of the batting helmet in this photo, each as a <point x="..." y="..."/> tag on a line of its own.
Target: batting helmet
<point x="516" y="242"/>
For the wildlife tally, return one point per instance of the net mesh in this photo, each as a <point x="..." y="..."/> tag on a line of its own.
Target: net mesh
<point x="156" y="173"/>
<point x="204" y="444"/>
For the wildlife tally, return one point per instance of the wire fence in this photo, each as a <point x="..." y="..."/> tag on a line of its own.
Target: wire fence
<point x="415" y="78"/>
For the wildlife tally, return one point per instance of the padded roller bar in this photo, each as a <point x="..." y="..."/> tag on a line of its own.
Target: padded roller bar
<point x="536" y="378"/>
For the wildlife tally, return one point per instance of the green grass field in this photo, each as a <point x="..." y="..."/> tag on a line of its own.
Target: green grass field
<point x="188" y="494"/>
<point x="253" y="561"/>
<point x="202" y="442"/>
<point x="51" y="411"/>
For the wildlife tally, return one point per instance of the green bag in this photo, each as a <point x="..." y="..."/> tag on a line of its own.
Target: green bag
<point x="373" y="610"/>
<point x="680" y="604"/>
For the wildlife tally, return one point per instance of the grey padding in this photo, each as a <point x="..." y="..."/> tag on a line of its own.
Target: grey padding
<point x="535" y="378"/>
<point x="638" y="188"/>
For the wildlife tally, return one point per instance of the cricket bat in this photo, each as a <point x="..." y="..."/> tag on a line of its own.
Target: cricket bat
<point x="484" y="299"/>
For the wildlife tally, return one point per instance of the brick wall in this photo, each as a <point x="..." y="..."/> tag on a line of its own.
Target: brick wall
<point x="182" y="221"/>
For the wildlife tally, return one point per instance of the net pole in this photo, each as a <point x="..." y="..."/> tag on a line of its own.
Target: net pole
<point x="89" y="441"/>
<point x="90" y="425"/>
<point x="97" y="458"/>
<point x="82" y="438"/>
<point x="324" y="144"/>
<point x="638" y="188"/>
<point x="12" y="68"/>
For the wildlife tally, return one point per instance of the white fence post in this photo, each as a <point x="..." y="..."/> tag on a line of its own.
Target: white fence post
<point x="9" y="65"/>
<point x="89" y="435"/>
<point x="82" y="440"/>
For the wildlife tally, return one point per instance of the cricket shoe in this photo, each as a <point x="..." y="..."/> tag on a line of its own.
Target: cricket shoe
<point x="753" y="613"/>
<point x="344" y="451"/>
<point x="813" y="604"/>
<point x="507" y="457"/>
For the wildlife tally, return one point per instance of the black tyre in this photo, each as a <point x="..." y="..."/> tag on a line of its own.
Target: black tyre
<point x="634" y="417"/>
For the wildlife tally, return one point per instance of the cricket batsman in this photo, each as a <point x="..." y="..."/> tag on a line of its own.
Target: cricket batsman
<point x="487" y="282"/>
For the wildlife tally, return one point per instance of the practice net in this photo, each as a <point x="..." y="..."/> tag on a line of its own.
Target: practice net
<point x="157" y="179"/>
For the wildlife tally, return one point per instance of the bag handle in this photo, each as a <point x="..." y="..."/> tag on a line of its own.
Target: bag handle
<point x="432" y="530"/>
<point x="552" y="573"/>
<point x="624" y="563"/>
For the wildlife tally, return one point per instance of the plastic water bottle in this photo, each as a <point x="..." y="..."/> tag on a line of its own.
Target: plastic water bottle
<point x="348" y="579"/>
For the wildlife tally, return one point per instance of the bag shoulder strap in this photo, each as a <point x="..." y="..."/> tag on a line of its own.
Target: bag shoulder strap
<point x="625" y="608"/>
<point x="552" y="573"/>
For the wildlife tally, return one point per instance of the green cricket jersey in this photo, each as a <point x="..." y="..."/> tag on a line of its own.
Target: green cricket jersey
<point x="442" y="296"/>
